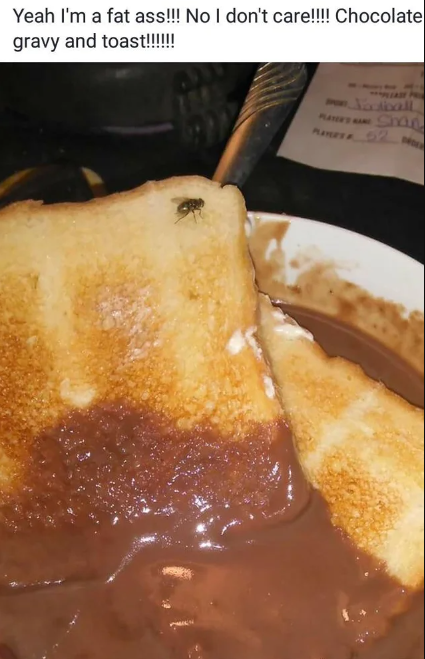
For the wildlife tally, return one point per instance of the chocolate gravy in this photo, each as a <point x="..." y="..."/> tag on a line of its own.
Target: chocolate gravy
<point x="125" y="552"/>
<point x="340" y="339"/>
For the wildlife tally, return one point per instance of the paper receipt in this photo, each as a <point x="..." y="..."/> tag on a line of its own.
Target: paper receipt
<point x="362" y="118"/>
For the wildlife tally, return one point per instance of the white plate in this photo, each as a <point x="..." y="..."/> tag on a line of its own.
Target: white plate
<point x="382" y="271"/>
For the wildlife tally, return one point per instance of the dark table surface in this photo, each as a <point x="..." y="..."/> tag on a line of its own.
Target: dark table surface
<point x="388" y="210"/>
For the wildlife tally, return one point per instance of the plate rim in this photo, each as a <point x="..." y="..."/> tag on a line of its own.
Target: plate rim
<point x="304" y="220"/>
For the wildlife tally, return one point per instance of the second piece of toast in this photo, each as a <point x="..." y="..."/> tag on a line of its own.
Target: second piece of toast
<point x="359" y="444"/>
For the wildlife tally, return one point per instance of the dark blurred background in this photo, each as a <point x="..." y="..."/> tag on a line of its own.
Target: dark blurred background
<point x="130" y="123"/>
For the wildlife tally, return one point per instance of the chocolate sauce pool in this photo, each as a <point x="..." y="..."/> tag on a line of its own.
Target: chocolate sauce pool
<point x="94" y="573"/>
<point x="342" y="340"/>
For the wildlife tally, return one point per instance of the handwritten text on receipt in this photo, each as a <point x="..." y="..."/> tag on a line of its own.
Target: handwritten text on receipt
<point x="366" y="119"/>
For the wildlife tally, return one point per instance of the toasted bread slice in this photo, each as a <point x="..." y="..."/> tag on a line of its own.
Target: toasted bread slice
<point x="360" y="445"/>
<point x="129" y="299"/>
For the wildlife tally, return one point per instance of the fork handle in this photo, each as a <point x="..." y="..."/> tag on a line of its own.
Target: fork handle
<point x="273" y="94"/>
